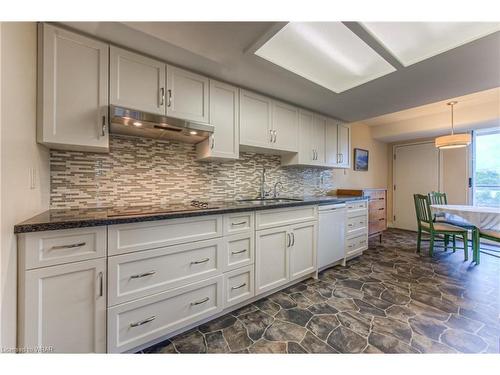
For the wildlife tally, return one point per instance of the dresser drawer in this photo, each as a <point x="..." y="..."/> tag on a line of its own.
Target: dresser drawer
<point x="240" y="222"/>
<point x="356" y="245"/>
<point x="356" y="226"/>
<point x="41" y="249"/>
<point x="284" y="216"/>
<point x="144" y="273"/>
<point x="239" y="251"/>
<point x="126" y="238"/>
<point x="377" y="205"/>
<point x="238" y="285"/>
<point x="377" y="226"/>
<point x="375" y="194"/>
<point x="135" y="323"/>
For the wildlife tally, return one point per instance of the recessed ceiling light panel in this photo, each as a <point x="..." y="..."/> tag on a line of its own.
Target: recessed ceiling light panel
<point x="326" y="53"/>
<point x="412" y="42"/>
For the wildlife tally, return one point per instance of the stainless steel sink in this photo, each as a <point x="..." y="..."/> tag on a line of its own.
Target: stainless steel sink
<point x="270" y="200"/>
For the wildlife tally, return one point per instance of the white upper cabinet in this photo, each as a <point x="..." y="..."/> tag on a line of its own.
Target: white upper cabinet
<point x="72" y="91"/>
<point x="136" y="81"/>
<point x="187" y="95"/>
<point x="285" y="127"/>
<point x="224" y="116"/>
<point x="255" y="120"/>
<point x="318" y="140"/>
<point x="344" y="144"/>
<point x="332" y="149"/>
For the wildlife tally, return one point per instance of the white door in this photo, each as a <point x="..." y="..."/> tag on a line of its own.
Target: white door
<point x="255" y="120"/>
<point x="415" y="171"/>
<point x="331" y="235"/>
<point x="187" y="95"/>
<point x="306" y="153"/>
<point x="285" y="127"/>
<point x="319" y="134"/>
<point x="303" y="249"/>
<point x="66" y="307"/>
<point x="271" y="258"/>
<point x="331" y="148"/>
<point x="136" y="81"/>
<point x="344" y="145"/>
<point x="73" y="91"/>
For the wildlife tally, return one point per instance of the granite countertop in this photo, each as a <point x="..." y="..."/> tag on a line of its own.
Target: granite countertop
<point x="89" y="217"/>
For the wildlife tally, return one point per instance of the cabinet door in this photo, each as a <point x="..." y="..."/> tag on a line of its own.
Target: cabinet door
<point x="344" y="144"/>
<point x="187" y="95"/>
<point x="285" y="127"/>
<point x="72" y="91"/>
<point x="331" y="150"/>
<point x="255" y="120"/>
<point x="136" y="81"/>
<point x="65" y="307"/>
<point x="271" y="258"/>
<point x="319" y="134"/>
<point x="224" y="116"/>
<point x="303" y="249"/>
<point x="306" y="126"/>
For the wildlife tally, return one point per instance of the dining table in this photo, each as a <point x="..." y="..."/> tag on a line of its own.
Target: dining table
<point x="480" y="217"/>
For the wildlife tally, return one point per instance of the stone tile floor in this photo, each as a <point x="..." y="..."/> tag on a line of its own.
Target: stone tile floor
<point x="389" y="300"/>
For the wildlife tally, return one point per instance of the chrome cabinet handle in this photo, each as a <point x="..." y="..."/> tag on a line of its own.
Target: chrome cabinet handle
<point x="101" y="284"/>
<point x="238" y="252"/>
<point x="275" y="135"/>
<point x="341" y="158"/>
<point x="239" y="223"/>
<point x="293" y="239"/>
<point x="169" y="103"/>
<point x="213" y="142"/>
<point x="271" y="135"/>
<point x="288" y="240"/>
<point x="72" y="246"/>
<point x="204" y="260"/>
<point x="238" y="287"/>
<point x="162" y="96"/>
<point x="206" y="299"/>
<point x="138" y="276"/>
<point x="140" y="323"/>
<point x="103" y="127"/>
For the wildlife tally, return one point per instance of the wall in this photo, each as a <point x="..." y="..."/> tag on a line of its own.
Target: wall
<point x="376" y="176"/>
<point x="19" y="153"/>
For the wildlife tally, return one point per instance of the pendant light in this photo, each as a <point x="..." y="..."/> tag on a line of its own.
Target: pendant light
<point x="453" y="140"/>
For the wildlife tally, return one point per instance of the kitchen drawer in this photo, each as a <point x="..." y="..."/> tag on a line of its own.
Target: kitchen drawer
<point x="277" y="217"/>
<point x="356" y="226"/>
<point x="357" y="208"/>
<point x="240" y="222"/>
<point x="144" y="273"/>
<point x="377" y="226"/>
<point x="374" y="194"/>
<point x="238" y="285"/>
<point x="126" y="238"/>
<point x="356" y="245"/>
<point x="239" y="250"/>
<point x="48" y="248"/>
<point x="135" y="323"/>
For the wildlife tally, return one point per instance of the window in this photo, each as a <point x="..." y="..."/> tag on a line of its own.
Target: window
<point x="486" y="167"/>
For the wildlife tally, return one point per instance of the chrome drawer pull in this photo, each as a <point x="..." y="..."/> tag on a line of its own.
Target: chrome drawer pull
<point x="238" y="252"/>
<point x="206" y="299"/>
<point x="200" y="261"/>
<point x="239" y="223"/>
<point x="349" y="225"/>
<point x="239" y="286"/>
<point x="140" y="323"/>
<point x="361" y="222"/>
<point x="72" y="246"/>
<point x="143" y="275"/>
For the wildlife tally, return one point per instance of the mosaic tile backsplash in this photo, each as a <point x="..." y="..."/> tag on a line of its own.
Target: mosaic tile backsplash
<point x="140" y="171"/>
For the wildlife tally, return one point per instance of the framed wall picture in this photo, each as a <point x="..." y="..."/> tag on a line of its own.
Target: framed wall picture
<point x="360" y="159"/>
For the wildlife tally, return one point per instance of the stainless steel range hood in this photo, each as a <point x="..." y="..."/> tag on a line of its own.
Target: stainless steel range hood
<point x="142" y="124"/>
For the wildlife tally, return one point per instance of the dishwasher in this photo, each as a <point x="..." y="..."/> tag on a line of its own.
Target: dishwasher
<point x="331" y="237"/>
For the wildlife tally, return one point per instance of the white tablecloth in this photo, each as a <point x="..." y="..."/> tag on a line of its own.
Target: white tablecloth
<point x="484" y="218"/>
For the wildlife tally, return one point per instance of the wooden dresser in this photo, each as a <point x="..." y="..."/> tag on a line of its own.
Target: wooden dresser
<point x="377" y="208"/>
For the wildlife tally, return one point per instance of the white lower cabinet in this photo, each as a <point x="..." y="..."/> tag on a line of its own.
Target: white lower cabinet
<point x="135" y="323"/>
<point x="284" y="254"/>
<point x="64" y="307"/>
<point x="356" y="228"/>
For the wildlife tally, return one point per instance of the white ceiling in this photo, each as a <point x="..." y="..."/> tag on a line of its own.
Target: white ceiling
<point x="224" y="50"/>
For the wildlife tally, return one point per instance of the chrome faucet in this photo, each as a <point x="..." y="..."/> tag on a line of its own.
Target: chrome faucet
<point x="275" y="189"/>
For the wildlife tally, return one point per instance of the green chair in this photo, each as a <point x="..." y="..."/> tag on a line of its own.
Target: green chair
<point x="426" y="223"/>
<point x="487" y="235"/>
